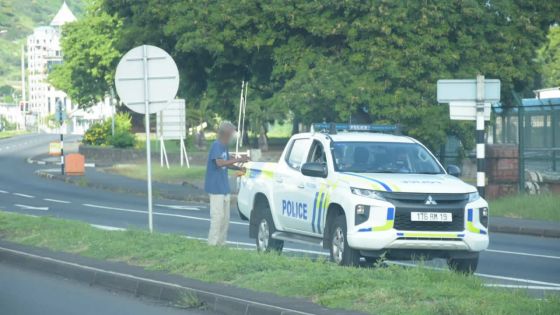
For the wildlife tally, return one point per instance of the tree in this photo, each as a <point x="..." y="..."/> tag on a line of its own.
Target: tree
<point x="374" y="61"/>
<point x="549" y="55"/>
<point x="90" y="56"/>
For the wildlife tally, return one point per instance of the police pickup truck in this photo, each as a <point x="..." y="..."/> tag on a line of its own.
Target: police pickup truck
<point x="363" y="194"/>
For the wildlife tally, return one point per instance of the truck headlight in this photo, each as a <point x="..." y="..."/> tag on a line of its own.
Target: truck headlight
<point x="369" y="193"/>
<point x="474" y="196"/>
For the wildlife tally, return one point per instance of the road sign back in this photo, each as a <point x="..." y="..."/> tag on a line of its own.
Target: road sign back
<point x="147" y="72"/>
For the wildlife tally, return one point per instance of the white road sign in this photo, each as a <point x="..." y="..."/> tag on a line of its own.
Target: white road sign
<point x="147" y="72"/>
<point x="171" y="124"/>
<point x="467" y="111"/>
<point x="465" y="90"/>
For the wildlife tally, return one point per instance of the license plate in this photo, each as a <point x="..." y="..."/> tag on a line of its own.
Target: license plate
<point x="431" y="216"/>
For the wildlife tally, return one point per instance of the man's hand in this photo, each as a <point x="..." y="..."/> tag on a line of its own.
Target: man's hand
<point x="243" y="159"/>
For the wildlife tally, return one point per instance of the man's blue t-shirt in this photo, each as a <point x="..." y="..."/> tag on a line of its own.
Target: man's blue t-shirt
<point x="216" y="181"/>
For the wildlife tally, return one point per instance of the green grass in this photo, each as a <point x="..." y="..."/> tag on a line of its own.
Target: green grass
<point x="391" y="290"/>
<point x="11" y="133"/>
<point x="175" y="173"/>
<point x="539" y="207"/>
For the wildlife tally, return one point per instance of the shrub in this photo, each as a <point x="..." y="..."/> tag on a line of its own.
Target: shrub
<point x="122" y="139"/>
<point x="100" y="133"/>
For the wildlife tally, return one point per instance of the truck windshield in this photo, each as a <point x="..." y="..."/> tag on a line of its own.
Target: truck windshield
<point x="383" y="157"/>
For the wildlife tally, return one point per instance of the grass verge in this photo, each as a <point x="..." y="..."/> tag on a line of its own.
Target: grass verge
<point x="175" y="174"/>
<point x="392" y="290"/>
<point x="538" y="207"/>
<point x="11" y="133"/>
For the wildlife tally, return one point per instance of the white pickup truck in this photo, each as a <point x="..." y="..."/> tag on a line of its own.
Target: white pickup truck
<point x="368" y="195"/>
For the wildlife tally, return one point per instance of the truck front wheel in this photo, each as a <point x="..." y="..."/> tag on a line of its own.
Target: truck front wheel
<point x="341" y="253"/>
<point x="265" y="242"/>
<point x="463" y="265"/>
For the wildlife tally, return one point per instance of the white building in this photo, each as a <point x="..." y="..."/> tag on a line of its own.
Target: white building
<point x="43" y="52"/>
<point x="548" y="93"/>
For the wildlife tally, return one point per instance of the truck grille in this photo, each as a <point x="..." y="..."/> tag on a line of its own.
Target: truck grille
<point x="405" y="203"/>
<point x="402" y="220"/>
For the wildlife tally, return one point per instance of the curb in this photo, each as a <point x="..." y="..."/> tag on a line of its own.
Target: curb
<point x="43" y="162"/>
<point x="158" y="286"/>
<point x="524" y="230"/>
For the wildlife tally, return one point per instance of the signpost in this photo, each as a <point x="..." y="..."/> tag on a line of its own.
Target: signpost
<point x="147" y="79"/>
<point x="471" y="100"/>
<point x="60" y="116"/>
<point x="171" y="125"/>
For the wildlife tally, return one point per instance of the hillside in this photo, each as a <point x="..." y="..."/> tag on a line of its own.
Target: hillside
<point x="18" y="18"/>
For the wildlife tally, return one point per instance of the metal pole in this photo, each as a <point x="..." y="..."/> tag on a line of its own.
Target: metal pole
<point x="239" y="118"/>
<point x="112" y="112"/>
<point x="148" y="153"/>
<point x="61" y="151"/>
<point x="521" y="148"/>
<point x="480" y="149"/>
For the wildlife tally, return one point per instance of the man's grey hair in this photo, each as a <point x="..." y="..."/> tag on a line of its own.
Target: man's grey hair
<point x="226" y="127"/>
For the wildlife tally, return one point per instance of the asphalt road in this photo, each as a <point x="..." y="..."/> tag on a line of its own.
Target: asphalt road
<point x="512" y="261"/>
<point x="24" y="292"/>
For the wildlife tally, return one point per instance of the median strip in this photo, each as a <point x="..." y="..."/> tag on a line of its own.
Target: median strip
<point x="388" y="290"/>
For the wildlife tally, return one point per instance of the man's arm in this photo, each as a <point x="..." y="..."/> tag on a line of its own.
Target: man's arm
<point x="230" y="163"/>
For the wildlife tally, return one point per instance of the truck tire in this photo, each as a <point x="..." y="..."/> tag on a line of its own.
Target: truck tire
<point x="265" y="229"/>
<point x="463" y="265"/>
<point x="341" y="253"/>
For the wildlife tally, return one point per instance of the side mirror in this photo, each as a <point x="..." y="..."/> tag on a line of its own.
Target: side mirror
<point x="314" y="169"/>
<point x="454" y="170"/>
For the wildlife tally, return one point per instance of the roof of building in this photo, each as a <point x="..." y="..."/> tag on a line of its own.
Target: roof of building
<point x="63" y="16"/>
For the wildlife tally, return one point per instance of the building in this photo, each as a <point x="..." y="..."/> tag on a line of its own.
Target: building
<point x="44" y="52"/>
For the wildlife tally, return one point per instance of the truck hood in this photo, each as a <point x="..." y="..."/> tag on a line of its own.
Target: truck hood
<point x="414" y="183"/>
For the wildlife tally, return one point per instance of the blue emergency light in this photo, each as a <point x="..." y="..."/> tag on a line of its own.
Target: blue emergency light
<point x="336" y="127"/>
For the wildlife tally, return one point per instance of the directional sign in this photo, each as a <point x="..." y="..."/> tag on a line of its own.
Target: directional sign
<point x="467" y="111"/>
<point x="465" y="90"/>
<point x="147" y="73"/>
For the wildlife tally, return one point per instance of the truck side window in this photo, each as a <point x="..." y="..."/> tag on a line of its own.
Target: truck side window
<point x="317" y="153"/>
<point x="297" y="151"/>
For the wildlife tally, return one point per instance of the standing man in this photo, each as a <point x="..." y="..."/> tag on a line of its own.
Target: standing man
<point x="217" y="183"/>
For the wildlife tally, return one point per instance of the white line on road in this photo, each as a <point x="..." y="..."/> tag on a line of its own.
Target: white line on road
<point x="156" y="213"/>
<point x="56" y="200"/>
<point x="3" y="192"/>
<point x="515" y="286"/>
<point x="178" y="207"/>
<point x="23" y="195"/>
<point x="107" y="228"/>
<point x="522" y="254"/>
<point x="31" y="207"/>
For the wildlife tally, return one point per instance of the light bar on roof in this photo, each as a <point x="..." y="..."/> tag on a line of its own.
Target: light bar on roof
<point x="355" y="127"/>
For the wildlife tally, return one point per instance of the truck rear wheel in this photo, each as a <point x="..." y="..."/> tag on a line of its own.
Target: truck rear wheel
<point x="463" y="265"/>
<point x="265" y="229"/>
<point x="341" y="253"/>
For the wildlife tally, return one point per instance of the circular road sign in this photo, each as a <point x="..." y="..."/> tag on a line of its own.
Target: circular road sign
<point x="147" y="73"/>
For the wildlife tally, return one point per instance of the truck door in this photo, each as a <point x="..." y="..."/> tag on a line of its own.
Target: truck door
<point x="314" y="193"/>
<point x="290" y="209"/>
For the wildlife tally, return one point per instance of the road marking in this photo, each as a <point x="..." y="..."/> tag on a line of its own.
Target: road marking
<point x="552" y="284"/>
<point x="23" y="195"/>
<point x="107" y="228"/>
<point x="521" y="253"/>
<point x="514" y="286"/>
<point x="3" y="192"/>
<point x="56" y="200"/>
<point x="178" y="207"/>
<point x="31" y="207"/>
<point x="156" y="213"/>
